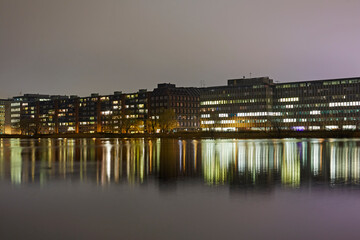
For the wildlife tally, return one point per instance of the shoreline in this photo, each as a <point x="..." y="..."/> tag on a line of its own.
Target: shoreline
<point x="203" y="135"/>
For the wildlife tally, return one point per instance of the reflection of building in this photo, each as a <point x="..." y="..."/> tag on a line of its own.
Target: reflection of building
<point x="253" y="163"/>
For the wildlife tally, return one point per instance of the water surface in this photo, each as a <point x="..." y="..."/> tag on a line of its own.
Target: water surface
<point x="179" y="189"/>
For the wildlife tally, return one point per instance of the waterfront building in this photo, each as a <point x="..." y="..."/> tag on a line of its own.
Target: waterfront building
<point x="248" y="104"/>
<point x="111" y="112"/>
<point x="66" y="110"/>
<point x="24" y="113"/>
<point x="136" y="111"/>
<point x="5" y="118"/>
<point x="89" y="120"/>
<point x="243" y="104"/>
<point x="318" y="105"/>
<point x="182" y="100"/>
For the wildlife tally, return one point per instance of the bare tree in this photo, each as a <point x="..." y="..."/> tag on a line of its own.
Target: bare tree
<point x="167" y="120"/>
<point x="151" y="125"/>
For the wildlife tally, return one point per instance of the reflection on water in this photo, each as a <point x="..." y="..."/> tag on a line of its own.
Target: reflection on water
<point x="237" y="163"/>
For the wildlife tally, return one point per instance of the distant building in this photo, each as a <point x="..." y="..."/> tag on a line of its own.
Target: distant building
<point x="183" y="101"/>
<point x="5" y="116"/>
<point x="248" y="104"/>
<point x="243" y="104"/>
<point x="66" y="114"/>
<point x="332" y="104"/>
<point x="136" y="110"/>
<point x="25" y="113"/>
<point x="111" y="112"/>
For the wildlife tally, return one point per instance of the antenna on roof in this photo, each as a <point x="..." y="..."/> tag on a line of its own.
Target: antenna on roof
<point x="250" y="75"/>
<point x="202" y="83"/>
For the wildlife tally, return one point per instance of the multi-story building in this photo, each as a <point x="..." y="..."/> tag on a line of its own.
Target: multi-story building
<point x="318" y="105"/>
<point x="136" y="110"/>
<point x="243" y="104"/>
<point x="183" y="101"/>
<point x="5" y="117"/>
<point x="259" y="104"/>
<point x="111" y="112"/>
<point x="89" y="118"/>
<point x="24" y="113"/>
<point x="66" y="112"/>
<point x="246" y="104"/>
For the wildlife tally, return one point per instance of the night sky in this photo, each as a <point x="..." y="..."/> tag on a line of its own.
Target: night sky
<point x="92" y="46"/>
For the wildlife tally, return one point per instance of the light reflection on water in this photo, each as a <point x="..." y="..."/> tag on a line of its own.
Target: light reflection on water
<point x="238" y="163"/>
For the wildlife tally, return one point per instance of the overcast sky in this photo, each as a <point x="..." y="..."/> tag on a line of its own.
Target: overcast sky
<point x="85" y="46"/>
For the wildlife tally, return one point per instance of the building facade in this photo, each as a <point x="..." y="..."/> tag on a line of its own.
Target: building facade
<point x="5" y="117"/>
<point x="183" y="101"/>
<point x="248" y="104"/>
<point x="25" y="118"/>
<point x="243" y="104"/>
<point x="318" y="105"/>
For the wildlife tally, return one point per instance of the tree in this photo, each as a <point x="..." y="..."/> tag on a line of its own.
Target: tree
<point x="167" y="120"/>
<point x="30" y="126"/>
<point x="25" y="126"/>
<point x="275" y="124"/>
<point x="138" y="125"/>
<point x="125" y="124"/>
<point x="151" y="125"/>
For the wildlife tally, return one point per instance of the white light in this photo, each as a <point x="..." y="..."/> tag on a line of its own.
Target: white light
<point x="289" y="120"/>
<point x="227" y="121"/>
<point x="294" y="99"/>
<point x="331" y="127"/>
<point x="350" y="127"/>
<point x="315" y="112"/>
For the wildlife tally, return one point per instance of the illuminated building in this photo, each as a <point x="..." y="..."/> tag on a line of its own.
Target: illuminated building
<point x="5" y="120"/>
<point x="248" y="104"/>
<point x="243" y="104"/>
<point x="136" y="109"/>
<point x="66" y="113"/>
<point x="318" y="105"/>
<point x="183" y="101"/>
<point x="89" y="114"/>
<point x="24" y="113"/>
<point x="111" y="107"/>
<point x="260" y="104"/>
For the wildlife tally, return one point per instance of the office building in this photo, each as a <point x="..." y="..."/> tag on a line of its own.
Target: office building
<point x="247" y="104"/>
<point x="5" y="116"/>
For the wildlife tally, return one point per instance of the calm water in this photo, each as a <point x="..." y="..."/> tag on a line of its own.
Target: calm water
<point x="179" y="189"/>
